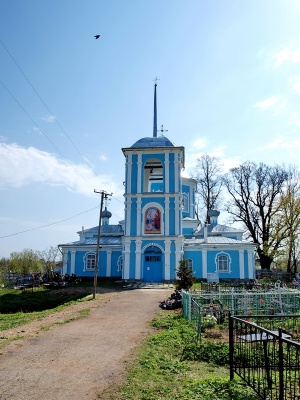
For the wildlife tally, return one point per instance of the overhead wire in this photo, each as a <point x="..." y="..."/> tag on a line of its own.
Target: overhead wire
<point x="52" y="223"/>
<point x="52" y="115"/>
<point x="62" y="129"/>
<point x="40" y="130"/>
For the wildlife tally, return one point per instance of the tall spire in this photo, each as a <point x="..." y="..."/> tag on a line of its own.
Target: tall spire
<point x="155" y="111"/>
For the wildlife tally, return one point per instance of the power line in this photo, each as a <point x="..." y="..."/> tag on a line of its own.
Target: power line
<point x="40" y="130"/>
<point x="48" y="109"/>
<point x="45" y="226"/>
<point x="52" y="143"/>
<point x="53" y="116"/>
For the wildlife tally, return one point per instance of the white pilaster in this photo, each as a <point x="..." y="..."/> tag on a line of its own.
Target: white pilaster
<point x="167" y="259"/>
<point x="127" y="217"/>
<point x="178" y="208"/>
<point x="204" y="263"/>
<point x="126" y="254"/>
<point x="139" y="173"/>
<point x="138" y="245"/>
<point x="72" y="266"/>
<point x="242" y="265"/>
<point x="167" y="172"/>
<point x="167" y="216"/>
<point x="251" y="265"/>
<point x="139" y="217"/>
<point x="191" y="202"/>
<point x="129" y="172"/>
<point x="108" y="262"/>
<point x="177" y="172"/>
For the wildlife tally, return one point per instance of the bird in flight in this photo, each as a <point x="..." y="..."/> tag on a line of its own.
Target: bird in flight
<point x="96" y="36"/>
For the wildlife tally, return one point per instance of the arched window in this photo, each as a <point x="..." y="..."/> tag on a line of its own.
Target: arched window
<point x="120" y="264"/>
<point x="152" y="222"/>
<point x="223" y="264"/>
<point x="90" y="261"/>
<point x="185" y="203"/>
<point x="190" y="263"/>
<point x="153" y="176"/>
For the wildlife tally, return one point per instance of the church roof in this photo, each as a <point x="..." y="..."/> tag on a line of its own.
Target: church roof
<point x="215" y="240"/>
<point x="218" y="228"/>
<point x="110" y="235"/>
<point x="105" y="230"/>
<point x="104" y="241"/>
<point x="148" y="142"/>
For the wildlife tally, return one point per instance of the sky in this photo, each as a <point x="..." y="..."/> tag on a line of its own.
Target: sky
<point x="228" y="86"/>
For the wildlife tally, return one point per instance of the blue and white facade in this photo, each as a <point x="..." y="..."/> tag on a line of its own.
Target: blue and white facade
<point x="159" y="227"/>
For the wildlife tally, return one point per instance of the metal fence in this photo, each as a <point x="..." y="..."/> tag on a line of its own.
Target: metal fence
<point x="199" y="306"/>
<point x="277" y="300"/>
<point x="268" y="360"/>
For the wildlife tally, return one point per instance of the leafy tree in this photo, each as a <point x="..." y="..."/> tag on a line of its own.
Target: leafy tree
<point x="25" y="262"/>
<point x="49" y="259"/>
<point x="4" y="268"/>
<point x="209" y="183"/>
<point x="185" y="276"/>
<point x="255" y="191"/>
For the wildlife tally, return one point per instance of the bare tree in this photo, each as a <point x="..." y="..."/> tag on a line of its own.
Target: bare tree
<point x="255" y="190"/>
<point x="286" y="226"/>
<point x="209" y="183"/>
<point x="49" y="258"/>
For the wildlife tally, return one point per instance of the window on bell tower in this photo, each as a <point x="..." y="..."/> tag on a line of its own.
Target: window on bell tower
<point x="153" y="176"/>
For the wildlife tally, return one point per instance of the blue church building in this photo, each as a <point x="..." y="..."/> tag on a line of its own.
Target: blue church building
<point x="159" y="226"/>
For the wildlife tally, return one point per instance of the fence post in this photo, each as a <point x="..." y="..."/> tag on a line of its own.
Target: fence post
<point x="280" y="366"/>
<point x="231" y="347"/>
<point x="189" y="305"/>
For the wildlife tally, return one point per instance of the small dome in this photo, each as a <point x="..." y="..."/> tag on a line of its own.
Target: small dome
<point x="153" y="142"/>
<point x="213" y="213"/>
<point x="106" y="214"/>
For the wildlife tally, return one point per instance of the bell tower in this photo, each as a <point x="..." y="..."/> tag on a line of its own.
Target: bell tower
<point x="153" y="241"/>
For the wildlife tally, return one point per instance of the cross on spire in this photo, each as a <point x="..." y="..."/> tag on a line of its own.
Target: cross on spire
<point x="162" y="130"/>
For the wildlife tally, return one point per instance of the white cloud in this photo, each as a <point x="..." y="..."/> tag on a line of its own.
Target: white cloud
<point x="49" y="118"/>
<point x="296" y="86"/>
<point x="20" y="166"/>
<point x="199" y="143"/>
<point x="282" y="142"/>
<point x="103" y="157"/>
<point x="193" y="154"/>
<point x="37" y="130"/>
<point x="269" y="102"/>
<point x="287" y="55"/>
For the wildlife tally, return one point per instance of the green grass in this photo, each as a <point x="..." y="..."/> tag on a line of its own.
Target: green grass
<point x="18" y="308"/>
<point x="165" y="368"/>
<point x="40" y="299"/>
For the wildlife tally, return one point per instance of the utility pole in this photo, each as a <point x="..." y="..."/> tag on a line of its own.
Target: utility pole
<point x="104" y="195"/>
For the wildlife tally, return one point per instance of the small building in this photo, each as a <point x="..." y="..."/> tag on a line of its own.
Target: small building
<point x="159" y="226"/>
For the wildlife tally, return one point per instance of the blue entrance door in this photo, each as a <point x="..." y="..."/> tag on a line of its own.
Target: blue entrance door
<point x="152" y="265"/>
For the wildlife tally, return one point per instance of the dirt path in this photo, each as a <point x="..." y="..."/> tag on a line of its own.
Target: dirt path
<point x="81" y="359"/>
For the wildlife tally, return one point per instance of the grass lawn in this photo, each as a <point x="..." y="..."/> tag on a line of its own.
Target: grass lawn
<point x="20" y="307"/>
<point x="169" y="367"/>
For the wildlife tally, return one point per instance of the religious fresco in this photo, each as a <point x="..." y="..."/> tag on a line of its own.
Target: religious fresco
<point x="152" y="220"/>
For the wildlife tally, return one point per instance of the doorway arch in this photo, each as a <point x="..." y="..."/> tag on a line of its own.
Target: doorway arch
<point x="153" y="264"/>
